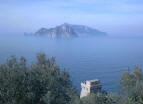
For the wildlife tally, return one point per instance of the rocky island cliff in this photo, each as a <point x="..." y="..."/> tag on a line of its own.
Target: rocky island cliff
<point x="69" y="31"/>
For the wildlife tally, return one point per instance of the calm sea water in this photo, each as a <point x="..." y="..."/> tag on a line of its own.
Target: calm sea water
<point x="85" y="59"/>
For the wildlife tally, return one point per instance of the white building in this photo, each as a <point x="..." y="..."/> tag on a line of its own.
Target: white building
<point x="90" y="86"/>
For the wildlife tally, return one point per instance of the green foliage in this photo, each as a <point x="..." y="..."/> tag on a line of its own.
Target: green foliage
<point x="40" y="83"/>
<point x="99" y="98"/>
<point x="132" y="85"/>
<point x="43" y="82"/>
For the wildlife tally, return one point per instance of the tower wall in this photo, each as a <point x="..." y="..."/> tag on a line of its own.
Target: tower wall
<point x="89" y="86"/>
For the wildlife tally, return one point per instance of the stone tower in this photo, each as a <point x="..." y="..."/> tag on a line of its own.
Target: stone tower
<point x="90" y="86"/>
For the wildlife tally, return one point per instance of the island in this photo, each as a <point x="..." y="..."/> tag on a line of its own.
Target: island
<point x="69" y="31"/>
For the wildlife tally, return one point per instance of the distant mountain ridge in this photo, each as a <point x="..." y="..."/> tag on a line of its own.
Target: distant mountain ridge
<point x="69" y="31"/>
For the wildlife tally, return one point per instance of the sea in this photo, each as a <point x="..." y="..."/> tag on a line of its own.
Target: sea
<point x="89" y="58"/>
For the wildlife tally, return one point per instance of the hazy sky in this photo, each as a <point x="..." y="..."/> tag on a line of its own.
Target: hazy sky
<point x="116" y="17"/>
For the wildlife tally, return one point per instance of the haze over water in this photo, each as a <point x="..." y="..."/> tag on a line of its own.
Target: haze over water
<point x="85" y="58"/>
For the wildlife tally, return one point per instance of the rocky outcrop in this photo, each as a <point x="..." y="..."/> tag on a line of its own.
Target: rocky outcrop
<point x="69" y="31"/>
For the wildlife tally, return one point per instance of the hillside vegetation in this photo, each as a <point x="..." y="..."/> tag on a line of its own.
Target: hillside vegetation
<point x="43" y="82"/>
